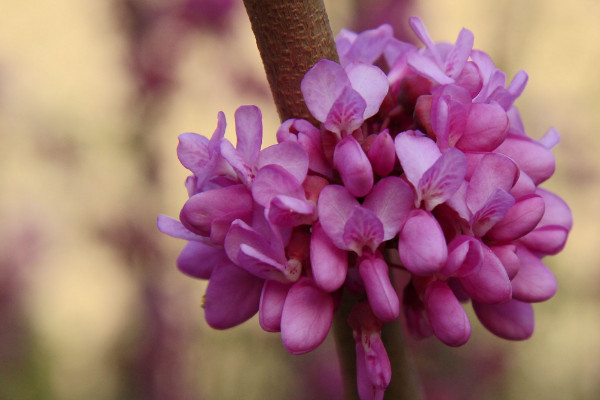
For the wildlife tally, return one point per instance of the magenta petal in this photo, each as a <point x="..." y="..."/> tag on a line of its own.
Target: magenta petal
<point x="421" y="244"/>
<point x="334" y="207"/>
<point x="198" y="259"/>
<point x="512" y="320"/>
<point x="232" y="296"/>
<point x="486" y="129"/>
<point x="523" y="187"/>
<point x="557" y="211"/>
<point x="262" y="265"/>
<point x="490" y="284"/>
<point x="414" y="314"/>
<point x="270" y="308"/>
<point x="371" y="83"/>
<point x="322" y="85"/>
<point x="446" y="315"/>
<point x="449" y="111"/>
<point x="382" y="154"/>
<point x="380" y="292"/>
<point x="520" y="219"/>
<point x="286" y="211"/>
<point x="549" y="239"/>
<point x="289" y="155"/>
<point x="363" y="229"/>
<point x="443" y="179"/>
<point x="241" y="167"/>
<point x="366" y="389"/>
<point x="492" y="211"/>
<point x="459" y="54"/>
<point x="493" y="172"/>
<point x="417" y="153"/>
<point x="241" y="234"/>
<point x="390" y="199"/>
<point x="533" y="158"/>
<point x="174" y="228"/>
<point x="346" y="114"/>
<point x="534" y="282"/>
<point x="306" y="318"/>
<point x="248" y="128"/>
<point x="507" y="254"/>
<point x="193" y="151"/>
<point x="354" y="167"/>
<point x="465" y="255"/>
<point x="273" y="180"/>
<point x="329" y="263"/>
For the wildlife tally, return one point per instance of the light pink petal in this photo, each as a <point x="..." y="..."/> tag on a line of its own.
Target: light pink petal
<point x="244" y="171"/>
<point x="368" y="46"/>
<point x="458" y="56"/>
<point x="449" y="111"/>
<point x="307" y="317"/>
<point x="524" y="186"/>
<point x="174" y="228"/>
<point x="390" y="199"/>
<point x="486" y="128"/>
<point x="534" y="282"/>
<point x="492" y="211"/>
<point x="309" y="138"/>
<point x="291" y="156"/>
<point x="382" y="154"/>
<point x="232" y="296"/>
<point x="512" y="320"/>
<point x="354" y="167"/>
<point x="380" y="292"/>
<point x="343" y="43"/>
<point x="507" y="254"/>
<point x="446" y="315"/>
<point x="520" y="219"/>
<point x="417" y="153"/>
<point x="421" y="244"/>
<point x="346" y="114"/>
<point x="550" y="139"/>
<point x="427" y="67"/>
<point x="274" y="180"/>
<point x="557" y="210"/>
<point x="286" y="211"/>
<point x="363" y="229"/>
<point x="465" y="256"/>
<point x="271" y="303"/>
<point x="419" y="28"/>
<point x="248" y="128"/>
<point x="443" y="179"/>
<point x="490" y="284"/>
<point x="193" y="151"/>
<point x="371" y="83"/>
<point x="322" y="85"/>
<point x="470" y="78"/>
<point x="533" y="158"/>
<point x="329" y="263"/>
<point x="493" y="172"/>
<point x="549" y="239"/>
<point x="198" y="259"/>
<point x="334" y="207"/>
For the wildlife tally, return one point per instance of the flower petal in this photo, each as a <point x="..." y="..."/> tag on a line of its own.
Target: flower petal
<point x="286" y="211"/>
<point x="465" y="256"/>
<point x="271" y="303"/>
<point x="512" y="320"/>
<point x="334" y="207"/>
<point x="289" y="155"/>
<point x="346" y="113"/>
<point x="533" y="158"/>
<point x="174" y="228"/>
<point x="198" y="259"/>
<point x="442" y="179"/>
<point x="371" y="83"/>
<point x="486" y="128"/>
<point x="446" y="315"/>
<point x="494" y="171"/>
<point x="362" y="229"/>
<point x="354" y="167"/>
<point x="382" y="154"/>
<point x="322" y="85"/>
<point x="390" y="199"/>
<point x="490" y="284"/>
<point x="273" y="180"/>
<point x="421" y="244"/>
<point x="492" y="211"/>
<point x="534" y="281"/>
<point x="520" y="219"/>
<point x="380" y="292"/>
<point x="329" y="264"/>
<point x="417" y="153"/>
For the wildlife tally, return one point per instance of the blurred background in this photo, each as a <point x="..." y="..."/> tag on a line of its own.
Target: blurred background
<point x="93" y="95"/>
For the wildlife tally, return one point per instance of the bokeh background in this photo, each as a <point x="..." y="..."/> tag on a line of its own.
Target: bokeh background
<point x="92" y="97"/>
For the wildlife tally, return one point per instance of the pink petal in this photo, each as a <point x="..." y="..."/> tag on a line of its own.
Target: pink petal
<point x="306" y="318"/>
<point x="232" y="296"/>
<point x="417" y="153"/>
<point x="334" y="207"/>
<point x="465" y="256"/>
<point x="174" y="228"/>
<point x="490" y="284"/>
<point x="346" y="114"/>
<point x="354" y="167"/>
<point x="193" y="151"/>
<point x="449" y="111"/>
<point x="520" y="219"/>
<point x="329" y="263"/>
<point x="512" y="320"/>
<point x="366" y="389"/>
<point x="291" y="156"/>
<point x="362" y="230"/>
<point x="198" y="259"/>
<point x="421" y="244"/>
<point x="309" y="138"/>
<point x="390" y="199"/>
<point x="492" y="211"/>
<point x="534" y="282"/>
<point x="442" y="179"/>
<point x="458" y="56"/>
<point x="380" y="292"/>
<point x="248" y="128"/>
<point x="274" y="180"/>
<point x="427" y="67"/>
<point x="368" y="46"/>
<point x="507" y="254"/>
<point x="446" y="315"/>
<point x="382" y="154"/>
<point x="263" y="265"/>
<point x="371" y="83"/>
<point x="523" y="187"/>
<point x="549" y="239"/>
<point x="533" y="158"/>
<point x="240" y="234"/>
<point x="272" y="299"/>
<point x="414" y="314"/>
<point x="550" y="139"/>
<point x="557" y="210"/>
<point x="244" y="171"/>
<point x="286" y="211"/>
<point x="493" y="172"/>
<point x="486" y="128"/>
<point x="322" y="85"/>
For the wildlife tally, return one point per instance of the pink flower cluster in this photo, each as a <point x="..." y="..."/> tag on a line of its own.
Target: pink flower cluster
<point x="420" y="164"/>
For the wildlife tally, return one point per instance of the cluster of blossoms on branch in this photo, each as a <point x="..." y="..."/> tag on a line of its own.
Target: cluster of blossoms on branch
<point x="420" y="165"/>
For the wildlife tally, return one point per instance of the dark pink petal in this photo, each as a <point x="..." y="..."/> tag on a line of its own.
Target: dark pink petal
<point x="378" y="365"/>
<point x="520" y="219"/>
<point x="286" y="211"/>
<point x="274" y="180"/>
<point x="534" y="282"/>
<point x="322" y="85"/>
<point x="507" y="254"/>
<point x="306" y="318"/>
<point x="244" y="171"/>
<point x="329" y="263"/>
<point x="366" y="389"/>
<point x="363" y="230"/>
<point x="240" y="234"/>
<point x="263" y="265"/>
<point x="354" y="167"/>
<point x="443" y="179"/>
<point x="512" y="320"/>
<point x="459" y="54"/>
<point x="486" y="128"/>
<point x="533" y="158"/>
<point x="414" y="314"/>
<point x="390" y="199"/>
<point x="232" y="296"/>
<point x="174" y="228"/>
<point x="382" y="154"/>
<point x="198" y="259"/>
<point x="291" y="156"/>
<point x="465" y="256"/>
<point x="224" y="205"/>
<point x="371" y="83"/>
<point x="248" y="128"/>
<point x="449" y="111"/>
<point x="270" y="308"/>
<point x="334" y="207"/>
<point x="446" y="315"/>
<point x="493" y="172"/>
<point x="417" y="153"/>
<point x="380" y="292"/>
<point x="346" y="113"/>
<point x="490" y="284"/>
<point x="421" y="244"/>
<point x="492" y="211"/>
<point x="549" y="239"/>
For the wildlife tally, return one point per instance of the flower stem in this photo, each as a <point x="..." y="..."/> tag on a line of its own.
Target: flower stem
<point x="291" y="35"/>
